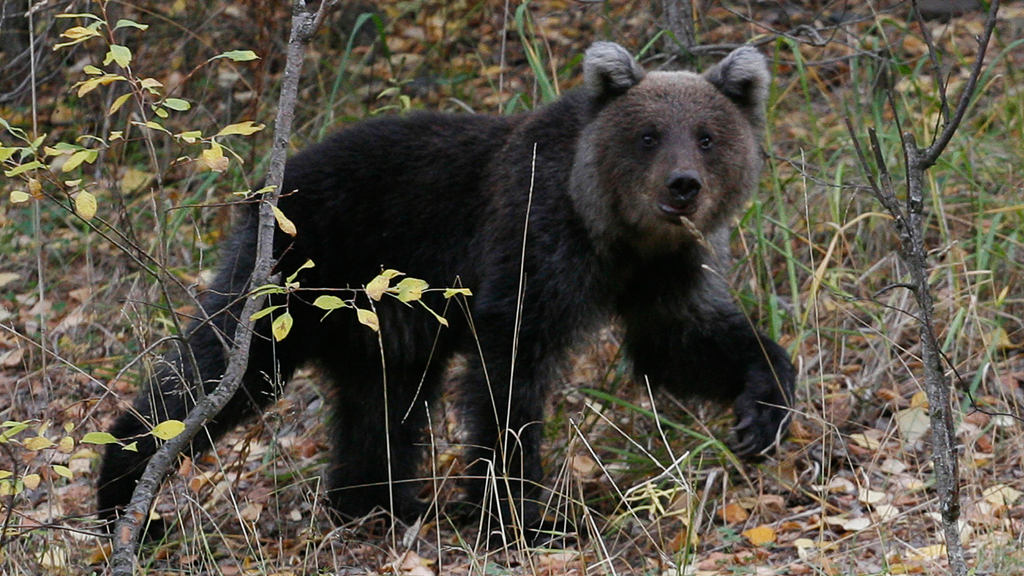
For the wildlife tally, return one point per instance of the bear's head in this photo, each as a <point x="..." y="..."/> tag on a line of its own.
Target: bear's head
<point x="667" y="152"/>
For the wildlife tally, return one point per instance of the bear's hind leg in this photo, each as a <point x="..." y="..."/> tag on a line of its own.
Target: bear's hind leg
<point x="376" y="459"/>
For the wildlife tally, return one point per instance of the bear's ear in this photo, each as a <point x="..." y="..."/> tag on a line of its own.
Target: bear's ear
<point x="743" y="77"/>
<point x="609" y="70"/>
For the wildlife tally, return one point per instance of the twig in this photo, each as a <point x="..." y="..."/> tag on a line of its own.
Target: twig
<point x="930" y="154"/>
<point x="126" y="534"/>
<point x="933" y="57"/>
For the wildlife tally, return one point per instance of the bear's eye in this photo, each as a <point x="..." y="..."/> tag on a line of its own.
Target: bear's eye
<point x="649" y="140"/>
<point x="704" y="141"/>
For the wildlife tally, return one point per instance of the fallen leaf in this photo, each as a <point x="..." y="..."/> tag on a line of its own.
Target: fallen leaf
<point x="733" y="513"/>
<point x="913" y="424"/>
<point x="1001" y="495"/>
<point x="760" y="536"/>
<point x="411" y="564"/>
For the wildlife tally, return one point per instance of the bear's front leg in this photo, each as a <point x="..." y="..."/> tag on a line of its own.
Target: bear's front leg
<point x="762" y="408"/>
<point x="713" y="351"/>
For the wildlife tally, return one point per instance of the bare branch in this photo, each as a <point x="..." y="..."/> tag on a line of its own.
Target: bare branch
<point x="933" y="56"/>
<point x="930" y="154"/>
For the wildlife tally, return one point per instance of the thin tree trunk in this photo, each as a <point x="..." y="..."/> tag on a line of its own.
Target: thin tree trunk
<point x="909" y="222"/>
<point x="126" y="532"/>
<point x="677" y="16"/>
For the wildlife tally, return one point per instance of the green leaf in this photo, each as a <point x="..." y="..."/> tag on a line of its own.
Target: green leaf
<point x="63" y="471"/>
<point x="441" y="319"/>
<point x="177" y="104"/>
<point x="124" y="23"/>
<point x="168" y="429"/>
<point x="18" y="132"/>
<point x="152" y="126"/>
<point x="19" y="196"/>
<point x="80" y="15"/>
<point x="99" y="438"/>
<point x="6" y="152"/>
<point x="329" y="303"/>
<point x="133" y="447"/>
<point x="265" y="311"/>
<point x="238" y="55"/>
<point x="120" y="54"/>
<point x="268" y="289"/>
<point x="190" y="136"/>
<point x="282" y="326"/>
<point x="411" y="289"/>
<point x="449" y="292"/>
<point x="306" y="264"/>
<point x="33" y="165"/>
<point x="77" y="158"/>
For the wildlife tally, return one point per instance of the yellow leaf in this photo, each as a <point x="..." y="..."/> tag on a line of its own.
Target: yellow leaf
<point x="168" y="429"/>
<point x="733" y="513"/>
<point x="243" y="128"/>
<point x="933" y="552"/>
<point x="919" y="400"/>
<point x="368" y="318"/>
<point x="913" y="424"/>
<point x="118" y="103"/>
<point x="38" y="443"/>
<point x="286" y="225"/>
<point x="281" y="326"/>
<point x="78" y="33"/>
<point x="378" y="286"/>
<point x="213" y="158"/>
<point x="31" y="481"/>
<point x="17" y="197"/>
<point x="865" y="441"/>
<point x="85" y="204"/>
<point x="1001" y="495"/>
<point x="66" y="444"/>
<point x="999" y="339"/>
<point x="760" y="536"/>
<point x="449" y="292"/>
<point x="134" y="179"/>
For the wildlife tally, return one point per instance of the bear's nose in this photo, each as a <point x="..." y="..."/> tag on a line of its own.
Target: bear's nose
<point x="685" y="184"/>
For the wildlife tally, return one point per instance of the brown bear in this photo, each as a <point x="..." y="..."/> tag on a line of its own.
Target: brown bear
<point x="608" y="205"/>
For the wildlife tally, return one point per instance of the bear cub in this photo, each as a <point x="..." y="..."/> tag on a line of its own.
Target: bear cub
<point x="609" y="204"/>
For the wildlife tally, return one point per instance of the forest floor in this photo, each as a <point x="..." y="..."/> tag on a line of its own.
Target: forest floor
<point x="648" y="477"/>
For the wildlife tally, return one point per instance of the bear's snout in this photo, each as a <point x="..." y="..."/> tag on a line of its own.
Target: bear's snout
<point x="682" y="188"/>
